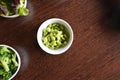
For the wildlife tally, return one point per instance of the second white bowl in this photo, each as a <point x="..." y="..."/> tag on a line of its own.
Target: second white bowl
<point x="44" y="25"/>
<point x="18" y="58"/>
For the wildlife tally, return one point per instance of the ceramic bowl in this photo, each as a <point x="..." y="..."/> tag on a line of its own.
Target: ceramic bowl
<point x="16" y="15"/>
<point x="18" y="58"/>
<point x="61" y="49"/>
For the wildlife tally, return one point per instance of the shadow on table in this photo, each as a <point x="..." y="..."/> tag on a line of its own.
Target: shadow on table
<point x="112" y="16"/>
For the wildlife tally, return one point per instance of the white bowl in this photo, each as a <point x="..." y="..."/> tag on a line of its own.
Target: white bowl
<point x="44" y="25"/>
<point x="19" y="60"/>
<point x="16" y="15"/>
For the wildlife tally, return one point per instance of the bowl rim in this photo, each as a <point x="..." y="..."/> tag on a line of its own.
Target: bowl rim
<point x="15" y="15"/>
<point x="62" y="49"/>
<point x="19" y="60"/>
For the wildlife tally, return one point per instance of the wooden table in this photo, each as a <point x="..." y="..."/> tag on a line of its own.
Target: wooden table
<point x="94" y="54"/>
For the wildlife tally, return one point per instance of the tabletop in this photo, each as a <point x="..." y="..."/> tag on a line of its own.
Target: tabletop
<point x="94" y="54"/>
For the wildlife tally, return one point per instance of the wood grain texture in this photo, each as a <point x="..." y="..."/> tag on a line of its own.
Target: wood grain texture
<point x="94" y="54"/>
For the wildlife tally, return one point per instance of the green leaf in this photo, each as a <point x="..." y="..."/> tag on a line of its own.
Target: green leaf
<point x="22" y="11"/>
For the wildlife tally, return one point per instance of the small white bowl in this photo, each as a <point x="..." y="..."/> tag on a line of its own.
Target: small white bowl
<point x="16" y="15"/>
<point x="44" y="25"/>
<point x="19" y="60"/>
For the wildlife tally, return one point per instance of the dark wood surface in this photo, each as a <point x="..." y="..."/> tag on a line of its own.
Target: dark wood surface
<point x="94" y="54"/>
